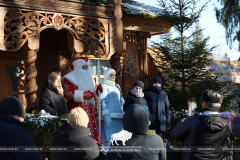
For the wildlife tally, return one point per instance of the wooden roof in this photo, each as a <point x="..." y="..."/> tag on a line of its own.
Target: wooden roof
<point x="142" y="17"/>
<point x="74" y="7"/>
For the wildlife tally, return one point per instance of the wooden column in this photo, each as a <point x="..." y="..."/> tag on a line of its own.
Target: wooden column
<point x="3" y="12"/>
<point x="143" y="54"/>
<point x="117" y="58"/>
<point x="78" y="46"/>
<point x="31" y="74"/>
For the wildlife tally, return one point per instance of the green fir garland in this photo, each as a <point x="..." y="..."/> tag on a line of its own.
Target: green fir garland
<point x="45" y="130"/>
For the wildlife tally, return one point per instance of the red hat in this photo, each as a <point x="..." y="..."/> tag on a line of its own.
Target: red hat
<point x="83" y="58"/>
<point x="81" y="61"/>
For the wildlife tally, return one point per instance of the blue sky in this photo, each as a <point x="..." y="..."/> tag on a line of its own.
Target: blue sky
<point x="215" y="30"/>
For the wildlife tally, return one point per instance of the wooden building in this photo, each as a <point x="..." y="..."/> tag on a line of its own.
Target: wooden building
<point x="36" y="36"/>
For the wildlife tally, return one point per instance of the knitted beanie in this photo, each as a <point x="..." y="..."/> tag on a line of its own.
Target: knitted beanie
<point x="139" y="84"/>
<point x="107" y="72"/>
<point x="12" y="106"/>
<point x="78" y="116"/>
<point x="157" y="79"/>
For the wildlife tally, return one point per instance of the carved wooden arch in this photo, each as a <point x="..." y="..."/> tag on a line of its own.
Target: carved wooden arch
<point x="20" y="25"/>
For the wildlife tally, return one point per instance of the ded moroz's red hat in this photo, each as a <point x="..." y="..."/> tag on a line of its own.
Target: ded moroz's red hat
<point x="81" y="61"/>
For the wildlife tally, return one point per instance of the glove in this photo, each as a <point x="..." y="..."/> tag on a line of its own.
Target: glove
<point x="88" y="95"/>
<point x="107" y="120"/>
<point x="99" y="88"/>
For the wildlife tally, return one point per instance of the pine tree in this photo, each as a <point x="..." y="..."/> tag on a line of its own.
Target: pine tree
<point x="185" y="62"/>
<point x="197" y="34"/>
<point x="228" y="16"/>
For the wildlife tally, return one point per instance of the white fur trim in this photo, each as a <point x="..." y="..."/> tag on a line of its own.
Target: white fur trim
<point x="105" y="112"/>
<point x="78" y="96"/>
<point x="108" y="73"/>
<point x="111" y="83"/>
<point x="71" y="77"/>
<point x="116" y="115"/>
<point x="80" y="63"/>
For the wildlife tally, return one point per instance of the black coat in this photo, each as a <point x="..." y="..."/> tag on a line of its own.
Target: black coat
<point x="136" y="121"/>
<point x="76" y="136"/>
<point x="159" y="108"/>
<point x="236" y="132"/>
<point x="51" y="101"/>
<point x="131" y="99"/>
<point x="13" y="133"/>
<point x="201" y="131"/>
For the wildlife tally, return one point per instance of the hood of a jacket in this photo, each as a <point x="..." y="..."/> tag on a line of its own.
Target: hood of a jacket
<point x="9" y="119"/>
<point x="136" y="119"/>
<point x="213" y="121"/>
<point x="70" y="133"/>
<point x="51" y="86"/>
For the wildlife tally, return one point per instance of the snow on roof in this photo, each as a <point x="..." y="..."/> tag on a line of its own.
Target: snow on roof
<point x="227" y="70"/>
<point x="134" y="8"/>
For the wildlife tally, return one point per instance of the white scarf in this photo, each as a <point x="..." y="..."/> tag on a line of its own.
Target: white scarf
<point x="139" y="95"/>
<point x="111" y="83"/>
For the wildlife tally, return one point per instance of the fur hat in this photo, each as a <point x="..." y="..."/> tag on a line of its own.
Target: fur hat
<point x="139" y="84"/>
<point x="12" y="106"/>
<point x="107" y="72"/>
<point x="78" y="116"/>
<point x="157" y="79"/>
<point x="212" y="96"/>
<point x="81" y="61"/>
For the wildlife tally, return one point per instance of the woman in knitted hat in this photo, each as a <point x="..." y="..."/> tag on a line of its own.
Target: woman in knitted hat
<point x="112" y="103"/>
<point x="76" y="134"/>
<point x="52" y="99"/>
<point x="135" y="96"/>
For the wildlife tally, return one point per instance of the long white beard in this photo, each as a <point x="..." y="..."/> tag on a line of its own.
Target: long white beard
<point x="84" y="79"/>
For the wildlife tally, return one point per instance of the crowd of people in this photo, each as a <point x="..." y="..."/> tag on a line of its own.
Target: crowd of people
<point x="145" y="115"/>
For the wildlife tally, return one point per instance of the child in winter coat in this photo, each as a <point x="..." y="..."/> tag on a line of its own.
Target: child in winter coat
<point x="135" y="96"/>
<point x="76" y="134"/>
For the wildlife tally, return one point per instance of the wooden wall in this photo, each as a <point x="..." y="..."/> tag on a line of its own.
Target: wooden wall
<point x="136" y="43"/>
<point x="128" y="80"/>
<point x="152" y="69"/>
<point x="52" y="54"/>
<point x="5" y="82"/>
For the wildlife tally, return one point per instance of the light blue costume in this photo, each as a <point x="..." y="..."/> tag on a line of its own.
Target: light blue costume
<point x="112" y="108"/>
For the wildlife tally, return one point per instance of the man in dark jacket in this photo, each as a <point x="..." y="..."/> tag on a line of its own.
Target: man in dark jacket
<point x="136" y="121"/>
<point x="13" y="132"/>
<point x="157" y="100"/>
<point x="208" y="129"/>
<point x="76" y="134"/>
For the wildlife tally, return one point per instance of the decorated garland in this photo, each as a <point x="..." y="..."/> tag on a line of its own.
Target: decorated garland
<point x="44" y="129"/>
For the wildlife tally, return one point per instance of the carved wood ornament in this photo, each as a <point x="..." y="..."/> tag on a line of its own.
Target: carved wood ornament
<point x="20" y="25"/>
<point x="30" y="80"/>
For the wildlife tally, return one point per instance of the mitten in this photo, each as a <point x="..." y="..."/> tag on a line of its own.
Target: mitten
<point x="99" y="88"/>
<point x="107" y="120"/>
<point x="88" y="95"/>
